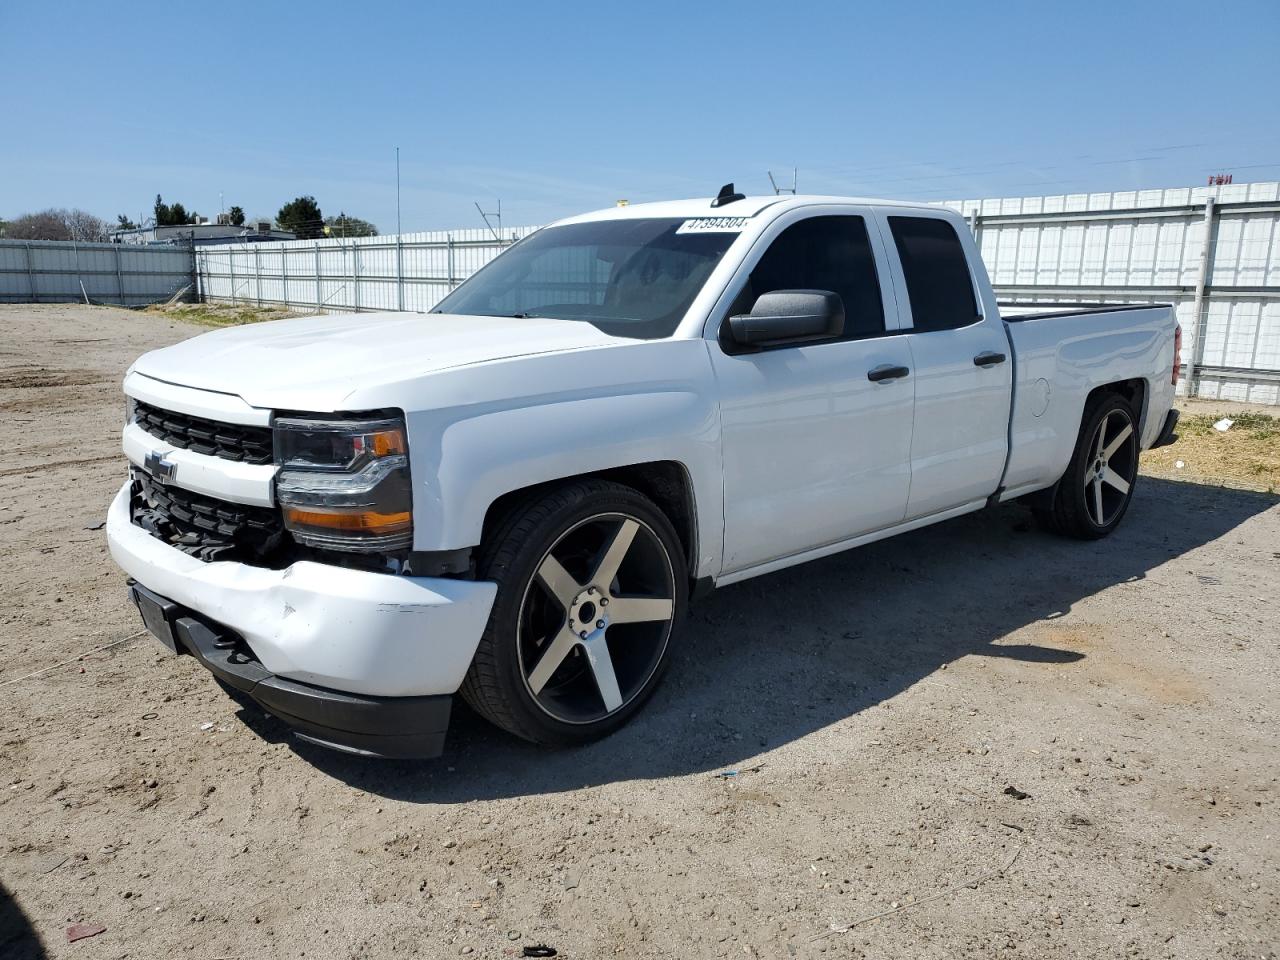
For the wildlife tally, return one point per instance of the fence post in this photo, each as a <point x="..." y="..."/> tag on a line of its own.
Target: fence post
<point x="193" y="274"/>
<point x="319" y="303"/>
<point x="975" y="225"/>
<point x="284" y="273"/>
<point x="355" y="277"/>
<point x="231" y="266"/>
<point x="257" y="274"/>
<point x="450" y="278"/>
<point x="1199" y="320"/>
<point x="399" y="274"/>
<point x="75" y="246"/>
<point x="119" y="277"/>
<point x="31" y="274"/>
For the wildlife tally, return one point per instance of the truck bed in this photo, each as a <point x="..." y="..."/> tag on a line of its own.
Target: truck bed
<point x="1062" y="351"/>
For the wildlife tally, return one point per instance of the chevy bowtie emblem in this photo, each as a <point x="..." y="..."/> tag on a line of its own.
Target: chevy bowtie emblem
<point x="159" y="467"/>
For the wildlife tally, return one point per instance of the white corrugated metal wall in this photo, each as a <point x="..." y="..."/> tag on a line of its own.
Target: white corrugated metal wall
<point x="49" y="271"/>
<point x="1143" y="245"/>
<point x="412" y="271"/>
<point x="1123" y="247"/>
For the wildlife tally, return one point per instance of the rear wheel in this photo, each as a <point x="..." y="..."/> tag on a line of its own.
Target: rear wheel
<point x="591" y="583"/>
<point x="1094" y="494"/>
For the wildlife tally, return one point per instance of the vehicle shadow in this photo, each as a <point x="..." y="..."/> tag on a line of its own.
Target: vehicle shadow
<point x="773" y="659"/>
<point x="18" y="940"/>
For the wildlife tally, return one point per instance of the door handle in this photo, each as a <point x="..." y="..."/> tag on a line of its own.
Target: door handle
<point x="887" y="373"/>
<point x="988" y="359"/>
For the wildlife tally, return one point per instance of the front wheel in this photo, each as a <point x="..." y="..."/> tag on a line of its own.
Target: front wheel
<point x="1095" y="492"/>
<point x="591" y="584"/>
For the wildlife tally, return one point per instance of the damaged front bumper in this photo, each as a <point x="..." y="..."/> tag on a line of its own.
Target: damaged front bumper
<point x="372" y="637"/>
<point x="392" y="727"/>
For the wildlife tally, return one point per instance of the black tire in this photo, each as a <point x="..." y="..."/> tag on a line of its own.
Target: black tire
<point x="499" y="684"/>
<point x="1075" y="511"/>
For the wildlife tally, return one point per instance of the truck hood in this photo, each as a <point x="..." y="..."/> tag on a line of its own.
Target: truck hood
<point x="320" y="362"/>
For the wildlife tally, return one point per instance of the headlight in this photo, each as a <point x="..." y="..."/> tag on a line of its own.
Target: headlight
<point x="344" y="484"/>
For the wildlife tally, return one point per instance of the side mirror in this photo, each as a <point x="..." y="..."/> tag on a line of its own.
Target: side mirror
<point x="789" y="316"/>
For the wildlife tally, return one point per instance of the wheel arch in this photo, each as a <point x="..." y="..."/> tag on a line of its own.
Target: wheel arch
<point x="1134" y="391"/>
<point x="667" y="483"/>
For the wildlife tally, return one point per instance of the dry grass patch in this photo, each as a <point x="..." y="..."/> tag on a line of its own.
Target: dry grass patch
<point x="1248" y="454"/>
<point x="221" y="314"/>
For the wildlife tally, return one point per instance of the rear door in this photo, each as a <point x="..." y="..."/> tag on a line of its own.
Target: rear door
<point x="814" y="451"/>
<point x="960" y="364"/>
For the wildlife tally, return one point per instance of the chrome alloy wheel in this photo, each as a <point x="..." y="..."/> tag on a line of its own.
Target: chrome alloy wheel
<point x="595" y="618"/>
<point x="1109" y="475"/>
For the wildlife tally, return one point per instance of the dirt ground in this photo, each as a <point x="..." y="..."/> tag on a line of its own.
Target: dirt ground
<point x="875" y="708"/>
<point x="1245" y="454"/>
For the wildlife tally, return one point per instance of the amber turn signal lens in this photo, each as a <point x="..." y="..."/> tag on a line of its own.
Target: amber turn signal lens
<point x="356" y="521"/>
<point x="386" y="443"/>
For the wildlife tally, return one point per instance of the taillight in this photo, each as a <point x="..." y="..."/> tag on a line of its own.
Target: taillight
<point x="1177" y="351"/>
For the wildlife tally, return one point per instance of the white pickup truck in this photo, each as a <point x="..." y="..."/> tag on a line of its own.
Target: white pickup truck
<point x="351" y="518"/>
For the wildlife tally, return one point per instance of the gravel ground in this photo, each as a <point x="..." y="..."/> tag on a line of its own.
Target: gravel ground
<point x="877" y="707"/>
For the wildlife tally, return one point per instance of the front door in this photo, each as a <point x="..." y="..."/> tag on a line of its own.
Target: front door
<point x="814" y="451"/>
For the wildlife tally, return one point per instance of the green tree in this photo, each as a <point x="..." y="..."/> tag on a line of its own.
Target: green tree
<point x="237" y="217"/>
<point x="344" y="226"/>
<point x="302" y="218"/>
<point x="124" y="223"/>
<point x="172" y="214"/>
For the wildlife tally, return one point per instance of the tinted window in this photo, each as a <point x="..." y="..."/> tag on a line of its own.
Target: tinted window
<point x="823" y="253"/>
<point x="632" y="278"/>
<point x="938" y="281"/>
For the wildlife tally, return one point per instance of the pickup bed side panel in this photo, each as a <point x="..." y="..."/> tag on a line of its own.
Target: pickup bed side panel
<point x="1060" y="360"/>
<point x="560" y="416"/>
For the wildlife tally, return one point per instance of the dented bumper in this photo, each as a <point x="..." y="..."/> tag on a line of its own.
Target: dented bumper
<point x="391" y="727"/>
<point x="346" y="630"/>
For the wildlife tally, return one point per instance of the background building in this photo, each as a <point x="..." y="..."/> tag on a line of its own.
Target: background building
<point x="202" y="233"/>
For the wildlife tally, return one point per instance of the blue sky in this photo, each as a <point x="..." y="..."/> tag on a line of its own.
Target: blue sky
<point x="562" y="107"/>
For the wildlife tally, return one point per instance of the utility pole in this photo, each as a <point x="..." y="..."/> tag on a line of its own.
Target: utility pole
<point x="399" y="242"/>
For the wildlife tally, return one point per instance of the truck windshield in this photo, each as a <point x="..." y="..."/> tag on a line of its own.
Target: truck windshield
<point x="629" y="278"/>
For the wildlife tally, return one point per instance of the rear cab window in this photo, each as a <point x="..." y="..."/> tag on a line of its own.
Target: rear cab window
<point x="939" y="285"/>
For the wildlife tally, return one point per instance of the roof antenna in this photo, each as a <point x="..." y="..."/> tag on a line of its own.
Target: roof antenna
<point x="781" y="190"/>
<point x="727" y="195"/>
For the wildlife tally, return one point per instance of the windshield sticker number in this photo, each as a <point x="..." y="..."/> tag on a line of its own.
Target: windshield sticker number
<point x="713" y="225"/>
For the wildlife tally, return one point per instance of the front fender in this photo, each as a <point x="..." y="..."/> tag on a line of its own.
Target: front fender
<point x="469" y="462"/>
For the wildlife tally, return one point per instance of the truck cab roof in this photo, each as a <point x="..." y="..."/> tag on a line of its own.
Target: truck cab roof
<point x="748" y="207"/>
